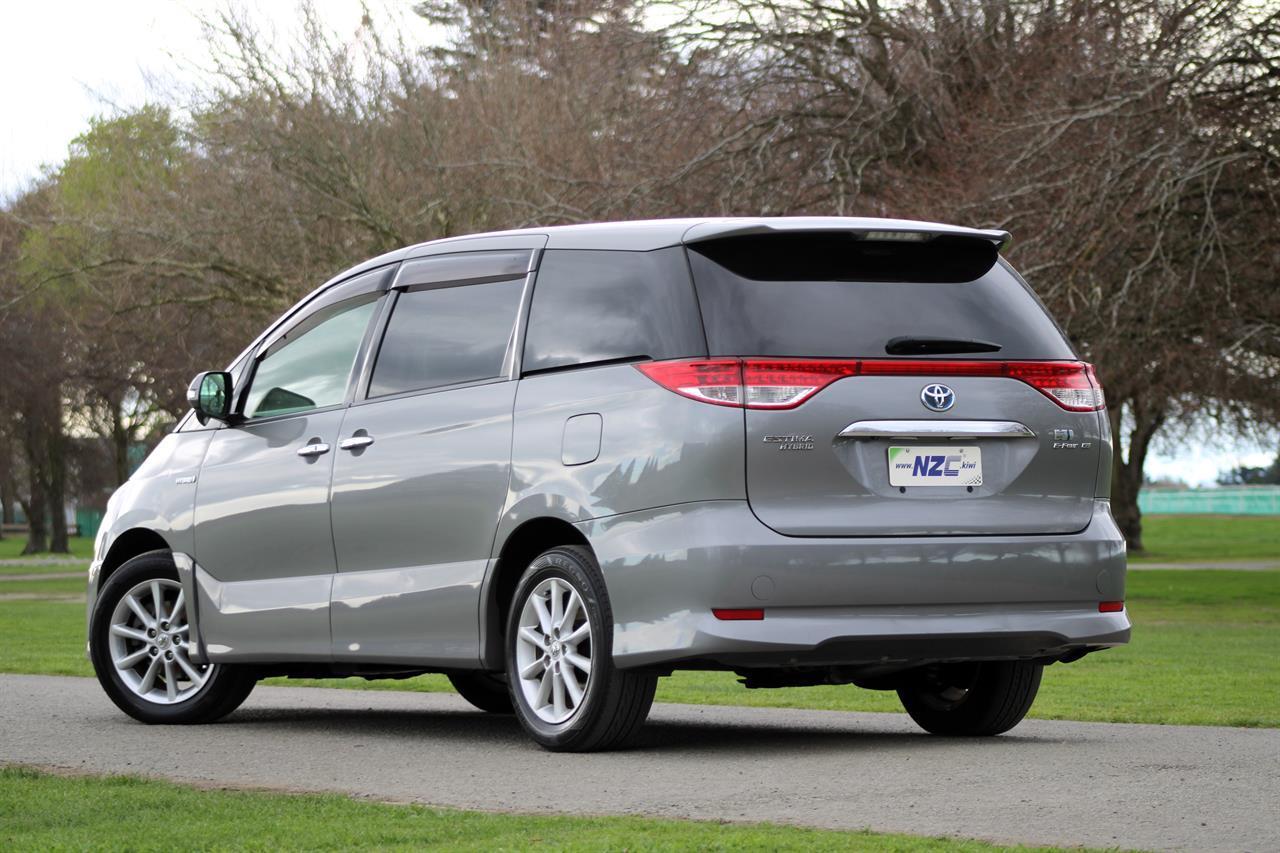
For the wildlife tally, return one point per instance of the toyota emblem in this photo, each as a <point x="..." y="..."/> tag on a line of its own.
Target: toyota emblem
<point x="937" y="397"/>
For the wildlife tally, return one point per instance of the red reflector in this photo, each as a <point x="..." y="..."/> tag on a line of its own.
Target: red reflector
<point x="1110" y="606"/>
<point x="738" y="615"/>
<point x="766" y="383"/>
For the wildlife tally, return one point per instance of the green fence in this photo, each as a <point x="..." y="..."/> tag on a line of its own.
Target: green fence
<point x="1245" y="500"/>
<point x="88" y="521"/>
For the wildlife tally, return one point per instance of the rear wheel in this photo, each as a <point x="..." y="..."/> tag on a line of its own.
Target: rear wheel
<point x="485" y="690"/>
<point x="567" y="693"/>
<point x="139" y="641"/>
<point x="971" y="699"/>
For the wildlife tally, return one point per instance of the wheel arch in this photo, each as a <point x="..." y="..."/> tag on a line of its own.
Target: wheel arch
<point x="131" y="543"/>
<point x="521" y="546"/>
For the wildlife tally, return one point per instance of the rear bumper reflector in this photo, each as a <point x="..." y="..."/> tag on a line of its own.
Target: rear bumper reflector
<point x="1110" y="606"/>
<point x="737" y="614"/>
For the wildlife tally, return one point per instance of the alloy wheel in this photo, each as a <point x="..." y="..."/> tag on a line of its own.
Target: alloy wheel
<point x="554" y="645"/>
<point x="149" y="640"/>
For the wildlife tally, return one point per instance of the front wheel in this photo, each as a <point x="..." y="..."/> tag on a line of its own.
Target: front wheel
<point x="971" y="699"/>
<point x="139" y="636"/>
<point x="567" y="693"/>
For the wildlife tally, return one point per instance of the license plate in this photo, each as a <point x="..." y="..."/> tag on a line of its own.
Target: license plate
<point x="948" y="465"/>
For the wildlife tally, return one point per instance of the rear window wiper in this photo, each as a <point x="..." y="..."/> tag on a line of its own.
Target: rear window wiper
<point x="910" y="345"/>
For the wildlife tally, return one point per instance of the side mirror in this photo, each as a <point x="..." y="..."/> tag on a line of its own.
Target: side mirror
<point x="210" y="395"/>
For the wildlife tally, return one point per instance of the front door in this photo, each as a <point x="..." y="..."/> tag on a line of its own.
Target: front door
<point x="263" y="538"/>
<point x="423" y="465"/>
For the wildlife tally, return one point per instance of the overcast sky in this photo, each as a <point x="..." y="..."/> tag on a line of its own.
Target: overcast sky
<point x="62" y="62"/>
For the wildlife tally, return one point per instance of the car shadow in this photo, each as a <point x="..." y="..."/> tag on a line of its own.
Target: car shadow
<point x="677" y="737"/>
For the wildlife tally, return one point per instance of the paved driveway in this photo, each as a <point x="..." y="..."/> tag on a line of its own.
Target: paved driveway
<point x="1155" y="787"/>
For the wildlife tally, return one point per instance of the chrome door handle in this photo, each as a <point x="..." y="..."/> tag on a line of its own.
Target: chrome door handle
<point x="317" y="449"/>
<point x="355" y="442"/>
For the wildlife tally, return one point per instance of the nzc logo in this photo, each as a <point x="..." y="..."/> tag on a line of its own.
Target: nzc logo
<point x="936" y="466"/>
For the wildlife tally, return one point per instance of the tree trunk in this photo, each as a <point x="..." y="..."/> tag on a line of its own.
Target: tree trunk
<point x="120" y="436"/>
<point x="57" y="470"/>
<point x="1124" y="504"/>
<point x="1127" y="468"/>
<point x="6" y="485"/>
<point x="8" y="497"/>
<point x="36" y="509"/>
<point x="35" y="447"/>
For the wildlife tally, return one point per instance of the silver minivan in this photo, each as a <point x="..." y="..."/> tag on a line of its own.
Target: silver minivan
<point x="557" y="464"/>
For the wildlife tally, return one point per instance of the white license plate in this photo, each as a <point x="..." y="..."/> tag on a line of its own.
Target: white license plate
<point x="947" y="465"/>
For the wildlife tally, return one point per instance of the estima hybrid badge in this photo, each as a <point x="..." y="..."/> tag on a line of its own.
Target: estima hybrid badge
<point x="937" y="397"/>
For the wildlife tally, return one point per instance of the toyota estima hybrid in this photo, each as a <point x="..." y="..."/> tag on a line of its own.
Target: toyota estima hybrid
<point x="557" y="464"/>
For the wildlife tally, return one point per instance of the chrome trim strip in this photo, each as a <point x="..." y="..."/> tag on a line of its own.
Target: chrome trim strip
<point x="936" y="429"/>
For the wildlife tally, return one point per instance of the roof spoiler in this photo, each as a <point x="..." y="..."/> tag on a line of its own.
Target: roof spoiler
<point x="875" y="229"/>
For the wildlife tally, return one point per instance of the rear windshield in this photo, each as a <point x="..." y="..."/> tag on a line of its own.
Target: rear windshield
<point x="837" y="295"/>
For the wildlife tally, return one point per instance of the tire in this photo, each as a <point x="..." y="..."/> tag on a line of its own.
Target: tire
<point x="612" y="704"/>
<point x="972" y="699"/>
<point x="485" y="690"/>
<point x="224" y="687"/>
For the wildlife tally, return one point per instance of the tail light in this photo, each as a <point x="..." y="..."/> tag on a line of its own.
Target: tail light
<point x="1071" y="384"/>
<point x="716" y="380"/>
<point x="764" y="383"/>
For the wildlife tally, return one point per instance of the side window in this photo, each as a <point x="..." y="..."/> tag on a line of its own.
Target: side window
<point x="446" y="335"/>
<point x="310" y="366"/>
<point x="592" y="306"/>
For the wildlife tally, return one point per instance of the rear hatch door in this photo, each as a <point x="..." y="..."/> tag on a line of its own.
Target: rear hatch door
<point x="900" y="387"/>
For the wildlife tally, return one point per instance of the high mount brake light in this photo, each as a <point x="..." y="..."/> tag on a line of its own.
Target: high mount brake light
<point x="768" y="383"/>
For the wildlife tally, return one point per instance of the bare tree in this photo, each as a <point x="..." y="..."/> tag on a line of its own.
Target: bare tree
<point x="1130" y="145"/>
<point x="31" y="345"/>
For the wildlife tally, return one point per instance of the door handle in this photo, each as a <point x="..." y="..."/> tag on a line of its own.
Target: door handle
<point x="318" y="448"/>
<point x="356" y="442"/>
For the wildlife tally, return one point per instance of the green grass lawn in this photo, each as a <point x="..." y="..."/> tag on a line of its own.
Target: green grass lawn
<point x="1206" y="538"/>
<point x="57" y="586"/>
<point x="12" y="544"/>
<point x="43" y="637"/>
<point x="39" y="811"/>
<point x="14" y="567"/>
<point x="1205" y="651"/>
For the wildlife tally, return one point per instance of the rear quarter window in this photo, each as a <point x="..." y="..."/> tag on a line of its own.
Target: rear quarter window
<point x="441" y="336"/>
<point x="596" y="306"/>
<point x="833" y="296"/>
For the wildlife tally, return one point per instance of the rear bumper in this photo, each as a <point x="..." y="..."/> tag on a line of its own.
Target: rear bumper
<point x="837" y="601"/>
<point x="858" y="637"/>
